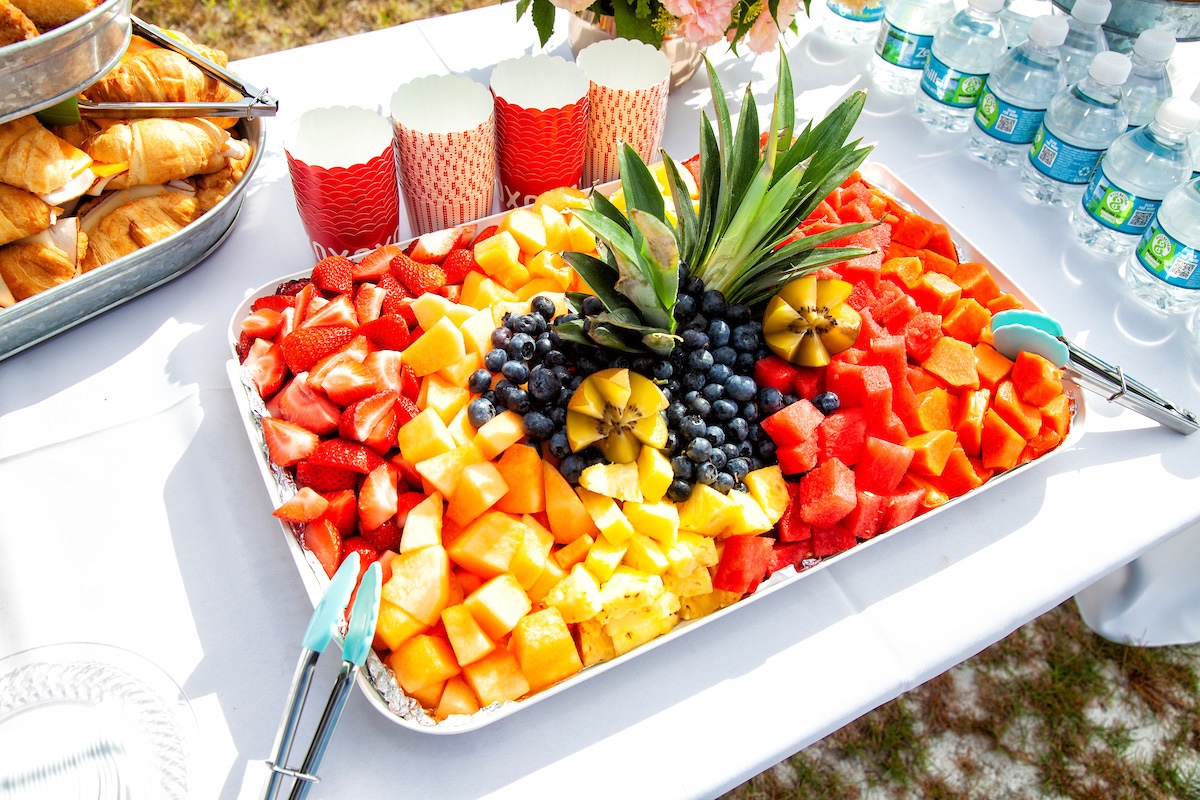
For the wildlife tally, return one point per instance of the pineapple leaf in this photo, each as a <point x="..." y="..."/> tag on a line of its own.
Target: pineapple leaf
<point x="572" y="331"/>
<point x="600" y="278"/>
<point x="710" y="188"/>
<point x="660" y="257"/>
<point x="640" y="188"/>
<point x="634" y="280"/>
<point x="607" y="335"/>
<point x="659" y="343"/>
<point x="604" y="206"/>
<point x="687" y="227"/>
<point x="721" y="109"/>
<point x="744" y="162"/>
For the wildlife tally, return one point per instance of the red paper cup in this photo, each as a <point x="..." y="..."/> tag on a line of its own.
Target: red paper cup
<point x="445" y="139"/>
<point x="629" y="82"/>
<point x="344" y="179"/>
<point x="541" y="126"/>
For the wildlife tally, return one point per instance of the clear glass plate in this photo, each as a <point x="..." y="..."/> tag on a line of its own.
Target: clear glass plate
<point x="94" y="721"/>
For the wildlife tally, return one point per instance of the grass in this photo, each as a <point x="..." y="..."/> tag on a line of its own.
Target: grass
<point x="1052" y="711"/>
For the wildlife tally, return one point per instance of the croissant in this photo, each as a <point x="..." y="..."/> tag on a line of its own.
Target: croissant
<point x="36" y="263"/>
<point x="139" y="44"/>
<point x="34" y="159"/>
<point x="212" y="188"/>
<point x="158" y="150"/>
<point x="113" y="232"/>
<point x="14" y="25"/>
<point x="47" y="14"/>
<point x="161" y="76"/>
<point x="22" y="214"/>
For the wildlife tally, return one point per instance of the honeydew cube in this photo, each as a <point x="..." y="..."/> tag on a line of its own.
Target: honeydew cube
<point x="479" y="487"/>
<point x="480" y="291"/>
<point x="595" y="645"/>
<point x="429" y="307"/>
<point x="444" y="471"/>
<point x="423" y="526"/>
<point x="554" y="224"/>
<point x="551" y="575"/>
<point x="467" y="638"/>
<point x="488" y="544"/>
<point x="461" y="429"/>
<point x="422" y="661"/>
<point x="530" y="559"/>
<point x="577" y="596"/>
<point x="457" y="373"/>
<point x="477" y="332"/>
<point x="659" y="521"/>
<point x="499" y="433"/>
<point x="536" y="286"/>
<point x="551" y="266"/>
<point x="606" y="515"/>
<point x="749" y="520"/>
<point x="498" y="605"/>
<point x="394" y="625"/>
<point x="654" y="474"/>
<point x="694" y="584"/>
<point x="496" y="677"/>
<point x="603" y="558"/>
<point x="618" y="481"/>
<point x="496" y="254"/>
<point x="423" y="437"/>
<point x="444" y="397"/>
<point x="707" y="511"/>
<point x="526" y="228"/>
<point x="768" y="487"/>
<point x="582" y="240"/>
<point x="420" y="583"/>
<point x="571" y="554"/>
<point x="690" y="552"/>
<point x="436" y="348"/>
<point x="457" y="698"/>
<point x="644" y="554"/>
<point x="544" y="648"/>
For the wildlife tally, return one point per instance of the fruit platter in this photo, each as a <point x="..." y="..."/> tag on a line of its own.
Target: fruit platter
<point x="578" y="430"/>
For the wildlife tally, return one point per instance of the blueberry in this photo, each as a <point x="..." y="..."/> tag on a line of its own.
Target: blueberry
<point x="694" y="380"/>
<point x="480" y="412"/>
<point x="706" y="473"/>
<point x="674" y="387"/>
<point x="738" y="467"/>
<point x="544" y="386"/>
<point x="555" y="358"/>
<point x="724" y="410"/>
<point x="788" y="399"/>
<point x="730" y="450"/>
<point x="537" y="426"/>
<point x="715" y="434"/>
<point x="479" y="381"/>
<point x="725" y="355"/>
<point x="712" y="303"/>
<point x="738" y="428"/>
<point x="679" y="491"/>
<point x="827" y="402"/>
<point x="699" y="450"/>
<point x="522" y="346"/>
<point x="515" y="371"/>
<point x="693" y="286"/>
<point x="671" y="445"/>
<point x="745" y="338"/>
<point x="572" y="467"/>
<point x="720" y="373"/>
<point x="695" y="340"/>
<point x="700" y="360"/>
<point x="770" y="400"/>
<point x="737" y="314"/>
<point x="675" y="413"/>
<point x="744" y="363"/>
<point x="718" y="333"/>
<point x="662" y="371"/>
<point x="527" y="323"/>
<point x="697" y="404"/>
<point x="543" y="306"/>
<point x="685" y="307"/>
<point x="542" y="346"/>
<point x="558" y="415"/>
<point x="559" y="445"/>
<point x="691" y="426"/>
<point x="501" y="337"/>
<point x="713" y="392"/>
<point x="741" y="388"/>
<point x="518" y="400"/>
<point x="718" y="458"/>
<point x="723" y="483"/>
<point x="766" y="449"/>
<point x="696" y="323"/>
<point x="749" y="411"/>
<point x="683" y="467"/>
<point x="495" y="359"/>
<point x="592" y="306"/>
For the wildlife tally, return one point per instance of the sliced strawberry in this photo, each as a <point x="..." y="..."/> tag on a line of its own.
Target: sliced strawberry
<point x="338" y="311"/>
<point x="368" y="302"/>
<point x="374" y="265"/>
<point x="345" y="454"/>
<point x="264" y="362"/>
<point x="410" y="384"/>
<point x="451" y="291"/>
<point x="348" y="381"/>
<point x="325" y="479"/>
<point x="394" y="294"/>
<point x="431" y="248"/>
<point x="302" y="404"/>
<point x="304" y="298"/>
<point x="367" y="552"/>
<point x="486" y="233"/>
<point x="343" y="510"/>
<point x="289" y="322"/>
<point x="466" y="235"/>
<point x="386" y="536"/>
<point x="377" y="498"/>
<point x="406" y="409"/>
<point x="287" y="442"/>
<point x="385" y="365"/>
<point x="275" y="302"/>
<point x="382" y="437"/>
<point x="389" y="332"/>
<point x="360" y="418"/>
<point x="458" y="263"/>
<point x="304" y="506"/>
<point x="334" y="275"/>
<point x="305" y="347"/>
<point x="322" y="539"/>
<point x="408" y="473"/>
<point x="418" y="277"/>
<point x="262" y="324"/>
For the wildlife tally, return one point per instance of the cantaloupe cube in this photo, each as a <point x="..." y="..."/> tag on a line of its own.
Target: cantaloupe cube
<point x="571" y="554"/>
<point x="496" y="677"/>
<point x="420" y="583"/>
<point x="438" y="347"/>
<point x="461" y="429"/>
<point x="394" y="625"/>
<point x="530" y="559"/>
<point x="537" y="286"/>
<point x="444" y="397"/>
<point x="644" y="554"/>
<point x="467" y="639"/>
<point x="576" y="596"/>
<point x="422" y="661"/>
<point x="659" y="521"/>
<point x="606" y="515"/>
<point x="521" y="468"/>
<point x="564" y="510"/>
<point x="429" y="307"/>
<point x="430" y="696"/>
<point x="552" y="573"/>
<point x="480" y="291"/>
<point x="477" y="332"/>
<point x="423" y="526"/>
<point x="512" y="278"/>
<point x="457" y="698"/>
<point x="497" y="253"/>
<point x="768" y="487"/>
<point x="479" y="487"/>
<point x="558" y="236"/>
<point x="526" y="228"/>
<point x="499" y="433"/>
<point x="544" y="648"/>
<point x="424" y="436"/>
<point x="603" y="558"/>
<point x="498" y="605"/>
<point x="457" y="373"/>
<point x="444" y="470"/>
<point x="487" y="545"/>
<point x="654" y="474"/>
<point x="550" y="265"/>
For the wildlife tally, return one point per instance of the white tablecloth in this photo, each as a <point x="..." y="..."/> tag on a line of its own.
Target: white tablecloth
<point x="132" y="512"/>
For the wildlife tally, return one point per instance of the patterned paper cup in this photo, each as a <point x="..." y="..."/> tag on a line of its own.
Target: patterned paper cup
<point x="629" y="85"/>
<point x="445" y="136"/>
<point x="541" y="125"/>
<point x="344" y="179"/>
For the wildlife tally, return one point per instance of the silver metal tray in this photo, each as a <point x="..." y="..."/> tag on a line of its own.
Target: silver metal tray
<point x="377" y="681"/>
<point x="60" y="307"/>
<point x="62" y="62"/>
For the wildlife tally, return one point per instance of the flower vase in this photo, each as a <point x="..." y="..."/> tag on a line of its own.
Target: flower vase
<point x="587" y="27"/>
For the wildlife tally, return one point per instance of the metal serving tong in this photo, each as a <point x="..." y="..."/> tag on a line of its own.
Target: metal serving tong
<point x="1017" y="330"/>
<point x="323" y="626"/>
<point x="255" y="102"/>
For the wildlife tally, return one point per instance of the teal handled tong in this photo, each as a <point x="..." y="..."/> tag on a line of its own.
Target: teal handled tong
<point x="323" y="626"/>
<point x="1017" y="330"/>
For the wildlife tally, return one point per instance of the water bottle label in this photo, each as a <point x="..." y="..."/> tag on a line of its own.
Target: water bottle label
<point x="1168" y="259"/>
<point x="870" y="12"/>
<point x="1006" y="122"/>
<point x="1115" y="208"/>
<point x="949" y="86"/>
<point x="1060" y="161"/>
<point x="901" y="48"/>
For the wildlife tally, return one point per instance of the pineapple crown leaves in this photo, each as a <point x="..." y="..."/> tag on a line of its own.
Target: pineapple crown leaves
<point x="753" y="196"/>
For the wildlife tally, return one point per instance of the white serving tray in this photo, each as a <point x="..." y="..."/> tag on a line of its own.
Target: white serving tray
<point x="377" y="682"/>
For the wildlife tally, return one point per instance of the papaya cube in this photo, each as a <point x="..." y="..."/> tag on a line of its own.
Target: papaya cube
<point x="552" y="573"/>
<point x="550" y="265"/>
<point x="420" y="583"/>
<point x="498" y="604"/>
<point x="499" y="433"/>
<point x="467" y="639"/>
<point x="436" y="348"/>
<point x="968" y="423"/>
<point x="1022" y="417"/>
<point x="394" y="626"/>
<point x="488" y="544"/>
<point x="991" y="365"/>
<point x="967" y="320"/>
<point x="444" y="471"/>
<point x="479" y="488"/>
<point x="496" y="677"/>
<point x="565" y="512"/>
<point x="457" y="698"/>
<point x="521" y="468"/>
<point x="530" y="559"/>
<point x="480" y="291"/>
<point x="1036" y="380"/>
<point x="496" y="254"/>
<point x="931" y="451"/>
<point x="422" y="661"/>
<point x="576" y="596"/>
<point x="429" y="307"/>
<point x="953" y="361"/>
<point x="571" y="554"/>
<point x="1001" y="446"/>
<point x="424" y="436"/>
<point x="544" y="648"/>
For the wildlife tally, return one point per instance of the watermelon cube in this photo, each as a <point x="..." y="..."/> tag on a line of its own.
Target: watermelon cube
<point x="861" y="296"/>
<point x="798" y="458"/>
<point x="901" y="507"/>
<point x="790" y="554"/>
<point x="743" y="564"/>
<point x="809" y="382"/>
<point x="845" y="380"/>
<point x="793" y="424"/>
<point x="866" y="517"/>
<point x="882" y="465"/>
<point x="889" y="352"/>
<point x="773" y="371"/>
<point x="921" y="334"/>
<point x="841" y="435"/>
<point x="896" y="314"/>
<point x="827" y="493"/>
<point x="885" y="293"/>
<point x="832" y="540"/>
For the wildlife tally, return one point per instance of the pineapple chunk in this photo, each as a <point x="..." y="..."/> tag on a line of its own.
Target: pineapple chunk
<point x="634" y="629"/>
<point x="654" y="474"/>
<point x="577" y="596"/>
<point x="749" y="519"/>
<point x="595" y="645"/>
<point x="767" y="486"/>
<point x="657" y="520"/>
<point x="628" y="590"/>
<point x="603" y="558"/>
<point x="607" y="516"/>
<point x="690" y="552"/>
<point x="618" y="481"/>
<point x="644" y="554"/>
<point x="694" y="584"/>
<point x="704" y="604"/>
<point x="707" y="511"/>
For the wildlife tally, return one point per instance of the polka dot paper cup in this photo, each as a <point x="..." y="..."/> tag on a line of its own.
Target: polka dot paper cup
<point x="541" y="126"/>
<point x="445" y="134"/>
<point x="344" y="179"/>
<point x="628" y="86"/>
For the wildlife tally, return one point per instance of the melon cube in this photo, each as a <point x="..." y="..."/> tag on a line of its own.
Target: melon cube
<point x="545" y="648"/>
<point x="461" y="429"/>
<point x="496" y="677"/>
<point x="477" y="331"/>
<point x="423" y="437"/>
<point x="438" y="347"/>
<point x="457" y="698"/>
<point x="479" y="488"/>
<point x="565" y="512"/>
<point x="552" y="573"/>
<point x="480" y="291"/>
<point x="430" y="307"/>
<point x="488" y="544"/>
<point x="827" y="493"/>
<point x="794" y="424"/>
<point x="882" y="465"/>
<point x="457" y="373"/>
<point x="526" y="228"/>
<point x="498" y="605"/>
<point x="467" y="639"/>
<point x="521" y="468"/>
<point x="582" y="239"/>
<point x="444" y="397"/>
<point x="499" y="433"/>
<point x="420" y="583"/>
<point x="394" y="625"/>
<point x="537" y="286"/>
<point x="571" y="554"/>
<point x="496" y="254"/>
<point x="423" y="526"/>
<point x="550" y="266"/>
<point x="444" y="471"/>
<point x="422" y="661"/>
<point x="530" y="559"/>
<point x="841" y="435"/>
<point x="558" y="237"/>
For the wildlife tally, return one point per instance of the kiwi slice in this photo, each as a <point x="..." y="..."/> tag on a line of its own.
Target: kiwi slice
<point x="808" y="321"/>
<point x="618" y="411"/>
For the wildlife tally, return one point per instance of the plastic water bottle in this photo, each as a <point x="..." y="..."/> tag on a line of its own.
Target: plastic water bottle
<point x="1018" y="16"/>
<point x="1136" y="173"/>
<point x="1021" y="86"/>
<point x="1085" y="38"/>
<point x="902" y="45"/>
<point x="852" y="23"/>
<point x="1163" y="271"/>
<point x="1194" y="139"/>
<point x="1080" y="123"/>
<point x="1148" y="83"/>
<point x="964" y="49"/>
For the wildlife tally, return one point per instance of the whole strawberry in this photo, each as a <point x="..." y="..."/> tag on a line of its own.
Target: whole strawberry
<point x="334" y="275"/>
<point x="458" y="263"/>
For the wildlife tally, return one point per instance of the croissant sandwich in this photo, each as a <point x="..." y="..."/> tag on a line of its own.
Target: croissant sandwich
<point x="14" y="25"/>
<point x="212" y="188"/>
<point x="23" y="214"/>
<point x="157" y="150"/>
<point x="34" y="159"/>
<point x="47" y="14"/>
<point x="124" y="221"/>
<point x="38" y="262"/>
<point x="157" y="75"/>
